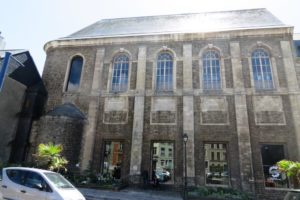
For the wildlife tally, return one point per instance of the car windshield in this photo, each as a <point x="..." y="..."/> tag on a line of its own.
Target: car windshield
<point x="58" y="180"/>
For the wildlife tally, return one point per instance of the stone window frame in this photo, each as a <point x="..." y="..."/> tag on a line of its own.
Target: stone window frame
<point x="67" y="74"/>
<point x="173" y="54"/>
<point x="227" y="159"/>
<point x="268" y="49"/>
<point x="211" y="47"/>
<point x="111" y="66"/>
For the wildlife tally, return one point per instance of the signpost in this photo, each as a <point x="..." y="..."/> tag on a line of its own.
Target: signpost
<point x="4" y="68"/>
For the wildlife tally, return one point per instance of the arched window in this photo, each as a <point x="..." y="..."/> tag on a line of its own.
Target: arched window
<point x="211" y="70"/>
<point x="74" y="74"/>
<point x="120" y="73"/>
<point x="164" y="72"/>
<point x="261" y="67"/>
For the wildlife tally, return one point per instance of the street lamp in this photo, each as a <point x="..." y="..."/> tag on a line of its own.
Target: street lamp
<point x="185" y="139"/>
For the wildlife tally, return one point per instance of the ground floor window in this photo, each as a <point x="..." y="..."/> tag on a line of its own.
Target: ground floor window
<point x="216" y="165"/>
<point x="162" y="162"/>
<point x="113" y="158"/>
<point x="271" y="154"/>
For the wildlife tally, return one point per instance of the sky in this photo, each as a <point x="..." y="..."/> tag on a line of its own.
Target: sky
<point x="29" y="24"/>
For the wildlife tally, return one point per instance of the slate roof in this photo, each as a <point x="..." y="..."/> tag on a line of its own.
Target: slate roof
<point x="180" y="23"/>
<point x="67" y="110"/>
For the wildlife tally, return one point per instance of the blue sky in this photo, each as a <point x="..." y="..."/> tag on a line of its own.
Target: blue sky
<point x="29" y="24"/>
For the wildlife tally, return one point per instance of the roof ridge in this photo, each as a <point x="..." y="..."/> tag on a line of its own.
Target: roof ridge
<point x="178" y="14"/>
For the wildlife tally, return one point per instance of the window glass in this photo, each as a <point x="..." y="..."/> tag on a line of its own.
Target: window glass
<point x="162" y="168"/>
<point x="164" y="72"/>
<point x="113" y="157"/>
<point x="16" y="176"/>
<point x="216" y="168"/>
<point x="58" y="180"/>
<point x="120" y="73"/>
<point x="261" y="68"/>
<point x="211" y="70"/>
<point x="33" y="179"/>
<point x="271" y="154"/>
<point x="75" y="74"/>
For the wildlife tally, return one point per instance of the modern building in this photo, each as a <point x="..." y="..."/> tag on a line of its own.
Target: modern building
<point x="121" y="90"/>
<point x="21" y="101"/>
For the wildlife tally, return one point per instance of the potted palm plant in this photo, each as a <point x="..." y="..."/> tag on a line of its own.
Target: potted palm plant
<point x="292" y="170"/>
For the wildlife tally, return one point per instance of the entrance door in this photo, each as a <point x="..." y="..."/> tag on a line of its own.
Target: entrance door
<point x="113" y="159"/>
<point x="162" y="162"/>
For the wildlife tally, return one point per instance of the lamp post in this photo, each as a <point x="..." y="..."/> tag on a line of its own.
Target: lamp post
<point x="185" y="139"/>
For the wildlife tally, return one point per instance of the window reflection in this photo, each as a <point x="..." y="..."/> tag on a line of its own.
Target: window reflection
<point x="216" y="166"/>
<point x="271" y="154"/>
<point x="113" y="157"/>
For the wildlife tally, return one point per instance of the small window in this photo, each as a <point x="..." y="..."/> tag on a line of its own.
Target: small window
<point x="74" y="74"/>
<point x="162" y="152"/>
<point x="261" y="67"/>
<point x="216" y="168"/>
<point x="120" y="73"/>
<point x="211" y="72"/>
<point x="164" y="72"/>
<point x="271" y="154"/>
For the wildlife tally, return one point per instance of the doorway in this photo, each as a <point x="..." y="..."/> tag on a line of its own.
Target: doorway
<point x="162" y="162"/>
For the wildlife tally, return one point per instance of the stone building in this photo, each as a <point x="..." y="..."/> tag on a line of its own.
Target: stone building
<point x="121" y="87"/>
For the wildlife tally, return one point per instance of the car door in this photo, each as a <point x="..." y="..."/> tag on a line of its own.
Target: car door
<point x="33" y="187"/>
<point x="11" y="183"/>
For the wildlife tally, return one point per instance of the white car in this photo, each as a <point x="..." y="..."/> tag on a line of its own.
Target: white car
<point x="21" y="183"/>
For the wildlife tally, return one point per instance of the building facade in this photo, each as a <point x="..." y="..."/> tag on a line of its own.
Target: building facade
<point x="122" y="92"/>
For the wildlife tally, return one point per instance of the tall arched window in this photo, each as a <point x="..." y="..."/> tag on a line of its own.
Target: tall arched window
<point x="211" y="70"/>
<point x="74" y="74"/>
<point x="261" y="67"/>
<point x="164" y="72"/>
<point x="120" y="73"/>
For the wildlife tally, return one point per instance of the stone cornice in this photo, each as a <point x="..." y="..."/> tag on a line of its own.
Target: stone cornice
<point x="168" y="37"/>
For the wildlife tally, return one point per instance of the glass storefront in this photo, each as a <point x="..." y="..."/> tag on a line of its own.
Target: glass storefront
<point x="271" y="154"/>
<point x="163" y="162"/>
<point x="113" y="157"/>
<point x="216" y="165"/>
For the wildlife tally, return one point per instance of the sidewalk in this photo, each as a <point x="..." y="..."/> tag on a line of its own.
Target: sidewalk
<point x="129" y="194"/>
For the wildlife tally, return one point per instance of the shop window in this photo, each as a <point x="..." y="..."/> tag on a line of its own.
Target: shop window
<point x="113" y="158"/>
<point x="271" y="154"/>
<point x="216" y="170"/>
<point x="162" y="168"/>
